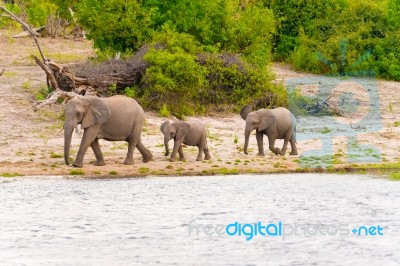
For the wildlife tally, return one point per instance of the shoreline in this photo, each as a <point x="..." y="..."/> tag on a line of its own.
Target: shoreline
<point x="376" y="169"/>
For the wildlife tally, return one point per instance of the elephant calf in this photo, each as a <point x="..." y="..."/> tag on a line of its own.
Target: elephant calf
<point x="117" y="118"/>
<point x="192" y="133"/>
<point x="277" y="123"/>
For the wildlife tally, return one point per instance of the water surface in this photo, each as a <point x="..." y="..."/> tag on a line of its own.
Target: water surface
<point x="64" y="221"/>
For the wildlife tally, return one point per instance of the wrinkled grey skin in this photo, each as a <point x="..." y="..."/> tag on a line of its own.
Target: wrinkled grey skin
<point x="117" y="118"/>
<point x="278" y="123"/>
<point x="192" y="133"/>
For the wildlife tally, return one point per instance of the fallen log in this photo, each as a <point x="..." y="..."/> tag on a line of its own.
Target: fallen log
<point x="26" y="33"/>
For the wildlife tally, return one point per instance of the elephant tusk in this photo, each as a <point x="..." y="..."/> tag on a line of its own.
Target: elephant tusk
<point x="78" y="130"/>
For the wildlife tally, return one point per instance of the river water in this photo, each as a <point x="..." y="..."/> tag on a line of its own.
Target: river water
<point x="182" y="220"/>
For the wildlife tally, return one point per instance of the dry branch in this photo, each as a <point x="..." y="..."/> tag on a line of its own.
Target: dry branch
<point x="1" y="72"/>
<point x="26" y="27"/>
<point x="55" y="73"/>
<point x="49" y="73"/>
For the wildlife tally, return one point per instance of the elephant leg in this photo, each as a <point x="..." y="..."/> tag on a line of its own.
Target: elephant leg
<point x="200" y="154"/>
<point x="177" y="145"/>
<point x="285" y="144"/>
<point x="131" y="148"/>
<point x="206" y="153"/>
<point x="271" y="142"/>
<point x="147" y="155"/>
<point x="89" y="135"/>
<point x="97" y="151"/>
<point x="181" y="155"/>
<point x="135" y="141"/>
<point x="260" y="143"/>
<point x="293" y="146"/>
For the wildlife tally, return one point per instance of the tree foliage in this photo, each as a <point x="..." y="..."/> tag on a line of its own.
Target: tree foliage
<point x="217" y="52"/>
<point x="339" y="37"/>
<point x="182" y="32"/>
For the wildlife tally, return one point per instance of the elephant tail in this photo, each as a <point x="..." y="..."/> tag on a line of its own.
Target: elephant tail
<point x="295" y="134"/>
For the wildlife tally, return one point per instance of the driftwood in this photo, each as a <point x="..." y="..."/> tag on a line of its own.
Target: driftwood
<point x="87" y="78"/>
<point x="26" y="33"/>
<point x="26" y="27"/>
<point x="114" y="73"/>
<point x="324" y="106"/>
<point x="51" y="69"/>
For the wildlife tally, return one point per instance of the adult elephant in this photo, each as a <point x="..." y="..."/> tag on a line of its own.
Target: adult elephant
<point x="117" y="118"/>
<point x="277" y="123"/>
<point x="192" y="133"/>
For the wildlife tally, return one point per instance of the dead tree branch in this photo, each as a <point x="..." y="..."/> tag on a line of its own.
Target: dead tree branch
<point x="1" y="72"/>
<point x="50" y="68"/>
<point x="49" y="74"/>
<point x="27" y="27"/>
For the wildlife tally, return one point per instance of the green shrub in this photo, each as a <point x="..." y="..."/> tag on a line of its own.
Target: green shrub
<point x="352" y="38"/>
<point x="395" y="176"/>
<point x="5" y="21"/>
<point x="42" y="93"/>
<point x="298" y="103"/>
<point x="250" y="32"/>
<point x="232" y="81"/>
<point x="164" y="111"/>
<point x="118" y="25"/>
<point x="174" y="77"/>
<point x="56" y="155"/>
<point x="7" y="174"/>
<point x="76" y="172"/>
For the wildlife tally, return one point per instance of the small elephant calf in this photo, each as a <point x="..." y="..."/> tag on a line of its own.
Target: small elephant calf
<point x="192" y="133"/>
<point x="277" y="123"/>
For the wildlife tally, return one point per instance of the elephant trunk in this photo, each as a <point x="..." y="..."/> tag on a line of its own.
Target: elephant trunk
<point x="166" y="140"/>
<point x="246" y="140"/>
<point x="68" y="130"/>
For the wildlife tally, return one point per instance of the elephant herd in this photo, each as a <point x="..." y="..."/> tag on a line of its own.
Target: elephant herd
<point x="120" y="118"/>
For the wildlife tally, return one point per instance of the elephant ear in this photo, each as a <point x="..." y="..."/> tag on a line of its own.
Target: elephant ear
<point x="182" y="128"/>
<point x="162" y="128"/>
<point x="267" y="120"/>
<point x="97" y="111"/>
<point x="245" y="111"/>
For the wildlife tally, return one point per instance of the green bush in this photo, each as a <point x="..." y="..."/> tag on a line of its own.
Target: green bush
<point x="39" y="11"/>
<point x="187" y="71"/>
<point x="184" y="80"/>
<point x="116" y="25"/>
<point x="5" y="21"/>
<point x="233" y="81"/>
<point x="250" y="32"/>
<point x="354" y="38"/>
<point x="174" y="76"/>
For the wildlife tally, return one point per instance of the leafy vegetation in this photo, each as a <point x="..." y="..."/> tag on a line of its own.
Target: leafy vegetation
<point x="216" y="53"/>
<point x="7" y="174"/>
<point x="56" y="155"/>
<point x="395" y="176"/>
<point x="354" y="38"/>
<point x="77" y="172"/>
